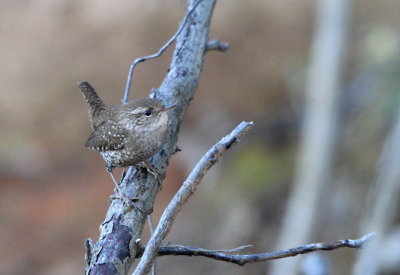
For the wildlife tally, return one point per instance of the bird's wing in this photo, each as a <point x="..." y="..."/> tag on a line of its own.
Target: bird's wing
<point x="107" y="137"/>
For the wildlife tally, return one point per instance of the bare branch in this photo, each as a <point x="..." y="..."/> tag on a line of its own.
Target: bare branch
<point x="160" y="52"/>
<point x="217" y="45"/>
<point x="185" y="192"/>
<point x="242" y="259"/>
<point x="117" y="245"/>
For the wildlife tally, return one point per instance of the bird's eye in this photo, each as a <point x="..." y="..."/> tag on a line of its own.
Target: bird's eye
<point x="147" y="112"/>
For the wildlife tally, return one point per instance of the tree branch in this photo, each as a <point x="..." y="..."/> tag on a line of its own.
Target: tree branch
<point x="117" y="246"/>
<point x="242" y="259"/>
<point x="185" y="192"/>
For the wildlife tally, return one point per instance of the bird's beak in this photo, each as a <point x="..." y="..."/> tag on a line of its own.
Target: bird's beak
<point x="168" y="108"/>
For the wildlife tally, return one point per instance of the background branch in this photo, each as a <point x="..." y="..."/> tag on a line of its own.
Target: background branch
<point x="383" y="204"/>
<point x="116" y="248"/>
<point x="319" y="130"/>
<point x="185" y="192"/>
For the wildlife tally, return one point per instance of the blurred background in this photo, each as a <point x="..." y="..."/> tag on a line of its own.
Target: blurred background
<point x="54" y="192"/>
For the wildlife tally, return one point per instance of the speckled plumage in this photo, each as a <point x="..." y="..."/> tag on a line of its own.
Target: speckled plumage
<point x="126" y="134"/>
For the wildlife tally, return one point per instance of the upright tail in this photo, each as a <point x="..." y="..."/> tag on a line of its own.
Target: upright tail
<point x="94" y="101"/>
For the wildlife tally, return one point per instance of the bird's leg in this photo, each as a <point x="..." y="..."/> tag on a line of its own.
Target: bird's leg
<point x="121" y="194"/>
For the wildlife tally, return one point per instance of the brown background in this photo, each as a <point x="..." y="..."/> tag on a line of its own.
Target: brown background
<point x="54" y="192"/>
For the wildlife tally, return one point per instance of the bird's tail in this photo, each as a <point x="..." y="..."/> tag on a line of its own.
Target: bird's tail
<point x="94" y="101"/>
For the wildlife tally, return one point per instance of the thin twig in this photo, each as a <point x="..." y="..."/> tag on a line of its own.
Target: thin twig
<point x="178" y="247"/>
<point x="151" y="225"/>
<point x="242" y="259"/>
<point x="152" y="56"/>
<point x="184" y="193"/>
<point x="217" y="45"/>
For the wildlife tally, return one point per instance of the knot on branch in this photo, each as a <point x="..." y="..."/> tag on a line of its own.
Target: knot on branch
<point x="217" y="45"/>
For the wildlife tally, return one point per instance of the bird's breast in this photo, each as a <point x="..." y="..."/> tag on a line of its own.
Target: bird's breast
<point x="152" y="137"/>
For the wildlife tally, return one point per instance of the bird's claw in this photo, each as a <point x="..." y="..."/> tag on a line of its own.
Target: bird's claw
<point x="151" y="169"/>
<point x="129" y="202"/>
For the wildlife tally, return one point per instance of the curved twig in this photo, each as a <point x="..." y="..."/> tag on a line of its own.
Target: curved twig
<point x="155" y="55"/>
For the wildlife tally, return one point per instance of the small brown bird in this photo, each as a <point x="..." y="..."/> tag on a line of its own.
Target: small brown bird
<point x="126" y="134"/>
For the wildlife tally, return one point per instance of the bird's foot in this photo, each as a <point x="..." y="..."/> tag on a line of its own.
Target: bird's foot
<point x="121" y="196"/>
<point x="130" y="203"/>
<point x="150" y="169"/>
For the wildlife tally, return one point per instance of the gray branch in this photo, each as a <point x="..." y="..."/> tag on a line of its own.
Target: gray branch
<point x="184" y="193"/>
<point x="242" y="259"/>
<point x="115" y="251"/>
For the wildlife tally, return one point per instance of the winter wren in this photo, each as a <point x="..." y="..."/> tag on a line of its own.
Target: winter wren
<point x="126" y="134"/>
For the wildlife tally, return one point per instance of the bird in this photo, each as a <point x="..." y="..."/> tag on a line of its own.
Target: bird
<point x="126" y="134"/>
